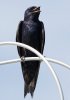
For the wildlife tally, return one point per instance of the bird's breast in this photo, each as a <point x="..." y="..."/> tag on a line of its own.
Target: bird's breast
<point x="31" y="34"/>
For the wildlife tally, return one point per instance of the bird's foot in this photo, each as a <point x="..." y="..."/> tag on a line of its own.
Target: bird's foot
<point x="22" y="59"/>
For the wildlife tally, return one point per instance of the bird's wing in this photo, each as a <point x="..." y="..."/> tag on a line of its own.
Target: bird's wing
<point x="19" y="37"/>
<point x="42" y="37"/>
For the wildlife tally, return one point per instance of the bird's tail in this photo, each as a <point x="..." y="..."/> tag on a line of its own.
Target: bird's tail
<point x="29" y="88"/>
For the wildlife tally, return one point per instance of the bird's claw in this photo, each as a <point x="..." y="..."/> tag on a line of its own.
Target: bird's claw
<point x="23" y="59"/>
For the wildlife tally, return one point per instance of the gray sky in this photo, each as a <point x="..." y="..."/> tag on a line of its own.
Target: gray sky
<point x="56" y="17"/>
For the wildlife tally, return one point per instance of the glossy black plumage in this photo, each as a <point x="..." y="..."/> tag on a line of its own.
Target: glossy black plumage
<point x="31" y="32"/>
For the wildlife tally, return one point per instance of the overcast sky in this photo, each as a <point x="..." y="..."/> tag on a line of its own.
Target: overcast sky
<point x="56" y="18"/>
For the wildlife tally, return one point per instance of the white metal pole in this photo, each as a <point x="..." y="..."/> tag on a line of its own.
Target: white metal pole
<point x="36" y="59"/>
<point x="48" y="59"/>
<point x="42" y="57"/>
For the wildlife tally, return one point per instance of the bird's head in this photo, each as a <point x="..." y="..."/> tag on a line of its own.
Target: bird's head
<point x="32" y="13"/>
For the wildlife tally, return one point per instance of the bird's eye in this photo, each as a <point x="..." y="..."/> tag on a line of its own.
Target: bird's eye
<point x="34" y="8"/>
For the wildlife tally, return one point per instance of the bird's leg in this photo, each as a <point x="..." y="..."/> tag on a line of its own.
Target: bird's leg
<point x="22" y="59"/>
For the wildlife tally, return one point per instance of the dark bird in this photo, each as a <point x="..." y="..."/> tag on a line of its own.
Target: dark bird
<point x="31" y="32"/>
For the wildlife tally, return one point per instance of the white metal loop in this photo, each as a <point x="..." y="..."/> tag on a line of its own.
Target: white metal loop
<point x="43" y="58"/>
<point x="36" y="59"/>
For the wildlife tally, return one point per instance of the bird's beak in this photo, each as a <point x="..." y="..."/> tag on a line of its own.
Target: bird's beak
<point x="37" y="9"/>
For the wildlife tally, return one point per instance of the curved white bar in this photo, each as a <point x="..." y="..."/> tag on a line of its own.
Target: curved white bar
<point x="36" y="59"/>
<point x="43" y="58"/>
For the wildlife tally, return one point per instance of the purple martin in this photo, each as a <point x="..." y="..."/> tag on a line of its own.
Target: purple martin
<point x="31" y="32"/>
